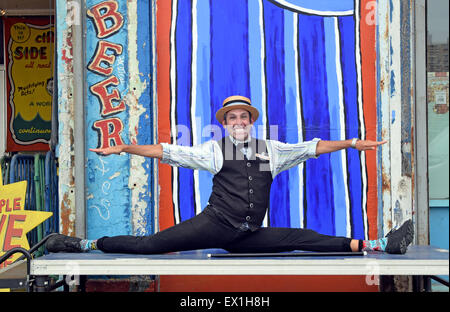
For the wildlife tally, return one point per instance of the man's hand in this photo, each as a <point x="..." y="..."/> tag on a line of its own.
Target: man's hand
<point x="333" y="146"/>
<point x="153" y="151"/>
<point x="364" y="145"/>
<point x="108" y="150"/>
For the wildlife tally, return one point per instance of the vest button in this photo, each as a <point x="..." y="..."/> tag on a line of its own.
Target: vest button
<point x="250" y="178"/>
<point x="249" y="164"/>
<point x="247" y="218"/>
<point x="251" y="205"/>
<point x="250" y="191"/>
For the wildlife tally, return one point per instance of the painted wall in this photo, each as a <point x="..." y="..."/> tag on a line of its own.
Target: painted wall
<point x="313" y="69"/>
<point x="328" y="69"/>
<point x="66" y="18"/>
<point x="117" y="98"/>
<point x="118" y="111"/>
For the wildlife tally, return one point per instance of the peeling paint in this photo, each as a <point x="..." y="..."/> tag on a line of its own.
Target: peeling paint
<point x="119" y="186"/>
<point x="401" y="199"/>
<point x="389" y="226"/>
<point x="395" y="116"/>
<point x="115" y="175"/>
<point x="397" y="213"/>
<point x="138" y="175"/>
<point x="392" y="83"/>
<point x="386" y="183"/>
<point x="66" y="215"/>
<point x="108" y="210"/>
<point x="65" y="151"/>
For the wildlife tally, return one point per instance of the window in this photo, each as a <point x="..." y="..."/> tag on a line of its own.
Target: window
<point x="437" y="98"/>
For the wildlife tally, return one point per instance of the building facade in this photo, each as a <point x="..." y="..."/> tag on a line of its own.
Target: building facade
<point x="146" y="72"/>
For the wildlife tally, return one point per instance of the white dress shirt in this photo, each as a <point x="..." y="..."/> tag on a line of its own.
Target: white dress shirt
<point x="208" y="156"/>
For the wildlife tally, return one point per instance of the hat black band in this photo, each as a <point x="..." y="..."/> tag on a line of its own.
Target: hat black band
<point x="235" y="101"/>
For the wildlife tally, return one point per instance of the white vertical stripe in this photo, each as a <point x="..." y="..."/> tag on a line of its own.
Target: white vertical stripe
<point x="195" y="139"/>
<point x="263" y="72"/>
<point x="342" y="123"/>
<point x="173" y="126"/>
<point x="155" y="123"/>
<point x="299" y="116"/>
<point x="383" y="58"/>
<point x="137" y="179"/>
<point x="361" y="117"/>
<point x="298" y="7"/>
<point x="263" y="81"/>
<point x="401" y="186"/>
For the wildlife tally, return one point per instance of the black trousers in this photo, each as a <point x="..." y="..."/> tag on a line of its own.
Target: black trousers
<point x="207" y="230"/>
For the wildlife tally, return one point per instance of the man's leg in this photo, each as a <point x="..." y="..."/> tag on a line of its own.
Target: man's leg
<point x="200" y="232"/>
<point x="288" y="239"/>
<point x="196" y="233"/>
<point x="272" y="239"/>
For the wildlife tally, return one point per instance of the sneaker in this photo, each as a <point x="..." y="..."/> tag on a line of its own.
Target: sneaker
<point x="63" y="243"/>
<point x="399" y="240"/>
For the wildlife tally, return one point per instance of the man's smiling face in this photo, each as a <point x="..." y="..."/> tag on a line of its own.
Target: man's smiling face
<point x="239" y="123"/>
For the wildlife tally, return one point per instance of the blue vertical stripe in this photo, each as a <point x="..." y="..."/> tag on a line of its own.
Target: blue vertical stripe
<point x="229" y="52"/>
<point x="347" y="29"/>
<point x="291" y="94"/>
<point x="276" y="113"/>
<point x="336" y="128"/>
<point x="319" y="192"/>
<point x="183" y="43"/>
<point x="256" y="69"/>
<point x="203" y="105"/>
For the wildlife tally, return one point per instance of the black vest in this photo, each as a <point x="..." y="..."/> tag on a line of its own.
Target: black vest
<point x="241" y="189"/>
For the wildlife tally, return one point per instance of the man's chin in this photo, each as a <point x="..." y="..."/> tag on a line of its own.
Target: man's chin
<point x="240" y="136"/>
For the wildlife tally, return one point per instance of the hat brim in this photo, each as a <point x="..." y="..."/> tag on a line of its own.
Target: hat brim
<point x="221" y="112"/>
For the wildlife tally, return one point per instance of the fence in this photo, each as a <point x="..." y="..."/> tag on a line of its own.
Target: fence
<point x="40" y="172"/>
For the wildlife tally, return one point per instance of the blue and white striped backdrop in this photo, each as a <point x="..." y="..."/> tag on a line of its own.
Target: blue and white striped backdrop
<point x="299" y="62"/>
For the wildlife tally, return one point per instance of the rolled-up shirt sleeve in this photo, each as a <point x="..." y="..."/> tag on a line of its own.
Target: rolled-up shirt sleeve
<point x="285" y="156"/>
<point x="206" y="156"/>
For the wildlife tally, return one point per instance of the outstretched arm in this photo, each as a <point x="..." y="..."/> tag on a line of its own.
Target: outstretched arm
<point x="332" y="146"/>
<point x="206" y="156"/>
<point x="153" y="151"/>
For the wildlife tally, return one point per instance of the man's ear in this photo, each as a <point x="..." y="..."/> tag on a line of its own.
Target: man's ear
<point x="224" y="123"/>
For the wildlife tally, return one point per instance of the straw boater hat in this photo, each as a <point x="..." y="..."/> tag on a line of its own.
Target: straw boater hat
<point x="236" y="101"/>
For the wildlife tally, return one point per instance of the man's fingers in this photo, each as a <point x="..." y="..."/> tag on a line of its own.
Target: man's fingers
<point x="99" y="151"/>
<point x="371" y="145"/>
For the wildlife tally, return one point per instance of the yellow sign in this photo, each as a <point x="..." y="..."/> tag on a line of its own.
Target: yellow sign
<point x="29" y="59"/>
<point x="31" y="94"/>
<point x="15" y="221"/>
